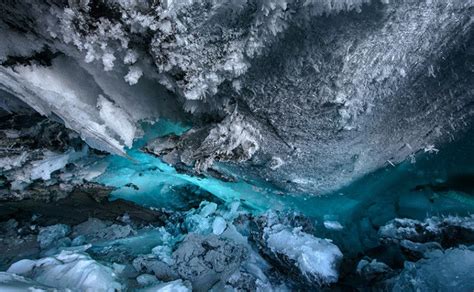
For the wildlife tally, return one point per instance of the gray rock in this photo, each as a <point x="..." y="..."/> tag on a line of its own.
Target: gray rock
<point x="372" y="269"/>
<point x="95" y="230"/>
<point x="207" y="260"/>
<point x="450" y="270"/>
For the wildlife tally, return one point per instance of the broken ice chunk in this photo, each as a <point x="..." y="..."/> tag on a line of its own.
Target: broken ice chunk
<point x="207" y="208"/>
<point x="163" y="253"/>
<point x="333" y="225"/>
<point x="147" y="280"/>
<point x="316" y="259"/>
<point x="197" y="224"/>
<point x="68" y="270"/>
<point x="219" y="225"/>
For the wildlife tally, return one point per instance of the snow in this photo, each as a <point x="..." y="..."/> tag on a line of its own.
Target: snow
<point x="68" y="270"/>
<point x="316" y="258"/>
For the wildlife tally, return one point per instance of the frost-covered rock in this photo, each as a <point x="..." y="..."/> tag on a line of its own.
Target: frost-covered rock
<point x="49" y="235"/>
<point x="303" y="97"/>
<point x="312" y="260"/>
<point x="68" y="270"/>
<point x="416" y="250"/>
<point x="151" y="264"/>
<point x="448" y="231"/>
<point x="316" y="259"/>
<point x="373" y="269"/>
<point x="450" y="270"/>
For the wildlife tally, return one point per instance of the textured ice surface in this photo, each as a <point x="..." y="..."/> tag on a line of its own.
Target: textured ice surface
<point x="314" y="89"/>
<point x="316" y="258"/>
<point x="307" y="95"/>
<point x="68" y="270"/>
<point x="10" y="282"/>
<point x="51" y="234"/>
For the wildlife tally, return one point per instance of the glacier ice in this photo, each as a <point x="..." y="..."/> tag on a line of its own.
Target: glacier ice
<point x="319" y="92"/>
<point x="68" y="270"/>
<point x="271" y="145"/>
<point x="218" y="225"/>
<point x="13" y="283"/>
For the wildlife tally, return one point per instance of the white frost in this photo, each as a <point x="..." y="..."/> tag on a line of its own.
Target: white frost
<point x="316" y="258"/>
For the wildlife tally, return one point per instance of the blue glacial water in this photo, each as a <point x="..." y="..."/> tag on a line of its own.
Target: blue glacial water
<point x="436" y="184"/>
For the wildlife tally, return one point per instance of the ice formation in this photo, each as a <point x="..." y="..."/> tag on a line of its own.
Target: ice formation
<point x="239" y="145"/>
<point x="444" y="271"/>
<point x="315" y="111"/>
<point x="68" y="270"/>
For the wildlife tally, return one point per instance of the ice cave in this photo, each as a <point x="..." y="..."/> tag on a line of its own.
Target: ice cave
<point x="237" y="145"/>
